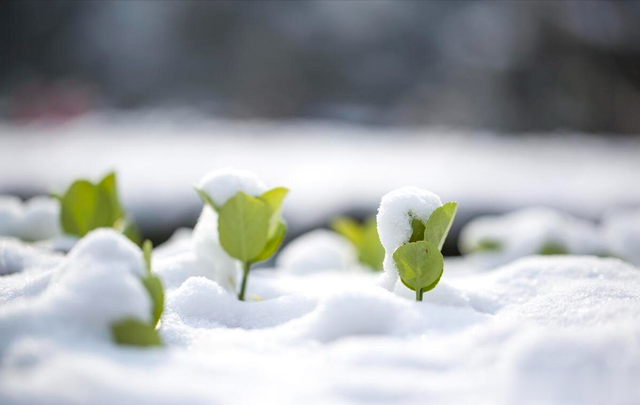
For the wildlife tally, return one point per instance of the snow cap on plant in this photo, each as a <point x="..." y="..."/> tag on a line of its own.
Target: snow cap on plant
<point x="243" y="218"/>
<point x="413" y="224"/>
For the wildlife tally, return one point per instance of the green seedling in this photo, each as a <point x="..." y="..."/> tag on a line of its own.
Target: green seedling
<point x="132" y="331"/>
<point x="365" y="239"/>
<point x="419" y="261"/>
<point x="87" y="206"/>
<point x="251" y="228"/>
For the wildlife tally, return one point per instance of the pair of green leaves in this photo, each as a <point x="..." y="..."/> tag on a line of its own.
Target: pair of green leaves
<point x="86" y="206"/>
<point x="365" y="239"/>
<point x="419" y="261"/>
<point x="251" y="228"/>
<point x="132" y="331"/>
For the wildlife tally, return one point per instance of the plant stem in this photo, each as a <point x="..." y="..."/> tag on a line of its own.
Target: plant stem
<point x="245" y="274"/>
<point x="419" y="294"/>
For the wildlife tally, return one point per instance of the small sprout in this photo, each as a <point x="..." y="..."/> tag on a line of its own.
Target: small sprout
<point x="153" y="284"/>
<point x="86" y="206"/>
<point x="487" y="245"/>
<point x="419" y="261"/>
<point x="552" y="248"/>
<point x="134" y="332"/>
<point x="250" y="228"/>
<point x="365" y="239"/>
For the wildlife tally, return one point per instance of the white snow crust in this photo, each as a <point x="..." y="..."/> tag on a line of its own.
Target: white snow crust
<point x="526" y="232"/>
<point x="95" y="285"/>
<point x="540" y="330"/>
<point x="317" y="251"/>
<point x="34" y="220"/>
<point x="621" y="231"/>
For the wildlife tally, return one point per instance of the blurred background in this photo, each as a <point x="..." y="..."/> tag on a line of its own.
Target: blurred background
<point x="498" y="104"/>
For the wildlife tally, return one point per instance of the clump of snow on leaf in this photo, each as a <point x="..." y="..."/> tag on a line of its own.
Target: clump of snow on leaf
<point x="97" y="284"/>
<point x="220" y="185"/>
<point x="317" y="251"/>
<point x="223" y="184"/>
<point x="397" y="210"/>
<point x="33" y="220"/>
<point x="528" y="232"/>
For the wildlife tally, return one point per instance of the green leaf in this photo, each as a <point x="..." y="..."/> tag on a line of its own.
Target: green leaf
<point x="272" y="244"/>
<point x="487" y="245"/>
<point x="153" y="284"/>
<point x="552" y="248"/>
<point x="370" y="250"/>
<point x="131" y="231"/>
<point x="420" y="264"/>
<point x="439" y="224"/>
<point x="418" y="230"/>
<point x="243" y="225"/>
<point x="109" y="187"/>
<point x="274" y="199"/>
<point x="131" y="331"/>
<point x="85" y="207"/>
<point x="348" y="228"/>
<point x="206" y="199"/>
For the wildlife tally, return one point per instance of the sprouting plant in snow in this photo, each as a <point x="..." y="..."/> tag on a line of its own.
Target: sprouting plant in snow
<point x="132" y="331"/>
<point x="86" y="206"/>
<point x="365" y="239"/>
<point x="250" y="228"/>
<point x="419" y="261"/>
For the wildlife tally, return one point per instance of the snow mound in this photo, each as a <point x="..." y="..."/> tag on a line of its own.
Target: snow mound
<point x="34" y="220"/>
<point x="622" y="234"/>
<point x="503" y="238"/>
<point x="543" y="329"/>
<point x="221" y="185"/>
<point x="97" y="284"/>
<point x="397" y="210"/>
<point x="317" y="251"/>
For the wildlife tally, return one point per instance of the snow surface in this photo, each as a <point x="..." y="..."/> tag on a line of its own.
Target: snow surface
<point x="329" y="167"/>
<point x="397" y="210"/>
<point x="96" y="284"/>
<point x="622" y="234"/>
<point x="317" y="251"/>
<point x="526" y="232"/>
<point x="33" y="220"/>
<point x="540" y="330"/>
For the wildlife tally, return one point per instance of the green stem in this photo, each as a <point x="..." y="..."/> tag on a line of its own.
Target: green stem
<point x="419" y="294"/>
<point x="245" y="274"/>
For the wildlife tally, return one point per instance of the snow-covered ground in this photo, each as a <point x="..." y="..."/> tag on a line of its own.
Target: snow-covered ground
<point x="329" y="168"/>
<point x="541" y="330"/>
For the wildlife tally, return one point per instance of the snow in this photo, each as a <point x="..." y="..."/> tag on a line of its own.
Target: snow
<point x="97" y="284"/>
<point x="317" y="251"/>
<point x="543" y="329"/>
<point x="526" y="232"/>
<point x="35" y="219"/>
<point x="621" y="231"/>
<point x="223" y="184"/>
<point x="330" y="168"/>
<point x="397" y="210"/>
